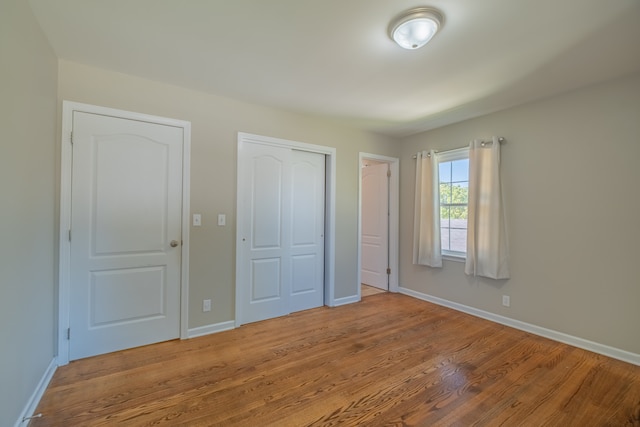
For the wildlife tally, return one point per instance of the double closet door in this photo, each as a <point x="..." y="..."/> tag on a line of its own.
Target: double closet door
<point x="281" y="208"/>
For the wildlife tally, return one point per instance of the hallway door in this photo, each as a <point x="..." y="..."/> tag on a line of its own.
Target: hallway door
<point x="375" y="225"/>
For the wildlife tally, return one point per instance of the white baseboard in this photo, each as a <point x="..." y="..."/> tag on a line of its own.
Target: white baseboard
<point x="33" y="401"/>
<point x="346" y="300"/>
<point x="211" y="329"/>
<point x="595" y="347"/>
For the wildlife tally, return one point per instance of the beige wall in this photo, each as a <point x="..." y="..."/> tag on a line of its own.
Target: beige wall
<point x="571" y="176"/>
<point x="215" y="123"/>
<point x="28" y="76"/>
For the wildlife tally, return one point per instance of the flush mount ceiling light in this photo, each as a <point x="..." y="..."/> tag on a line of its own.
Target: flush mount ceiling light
<point x="415" y="27"/>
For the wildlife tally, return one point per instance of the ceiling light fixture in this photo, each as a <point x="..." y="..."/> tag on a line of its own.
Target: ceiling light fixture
<point x="415" y="27"/>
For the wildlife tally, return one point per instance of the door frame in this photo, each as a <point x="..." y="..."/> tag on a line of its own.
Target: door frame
<point x="64" y="261"/>
<point x="394" y="215"/>
<point x="330" y="212"/>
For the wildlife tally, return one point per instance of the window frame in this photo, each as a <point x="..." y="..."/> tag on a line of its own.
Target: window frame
<point x="447" y="157"/>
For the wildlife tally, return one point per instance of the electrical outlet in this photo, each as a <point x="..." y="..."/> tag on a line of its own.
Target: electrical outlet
<point x="506" y="300"/>
<point x="206" y="305"/>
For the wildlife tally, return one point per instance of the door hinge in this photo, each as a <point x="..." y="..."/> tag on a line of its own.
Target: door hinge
<point x="68" y="333"/>
<point x="388" y="173"/>
<point x="388" y="271"/>
<point x="71" y="137"/>
<point x="69" y="234"/>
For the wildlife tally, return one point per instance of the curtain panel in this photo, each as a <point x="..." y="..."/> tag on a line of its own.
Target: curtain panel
<point x="487" y="250"/>
<point x="426" y="220"/>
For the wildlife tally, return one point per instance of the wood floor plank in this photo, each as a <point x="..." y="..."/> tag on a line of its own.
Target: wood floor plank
<point x="389" y="360"/>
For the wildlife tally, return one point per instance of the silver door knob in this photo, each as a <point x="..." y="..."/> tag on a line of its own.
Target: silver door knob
<point x="173" y="243"/>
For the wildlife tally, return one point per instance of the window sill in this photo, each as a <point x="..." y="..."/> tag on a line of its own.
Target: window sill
<point x="456" y="258"/>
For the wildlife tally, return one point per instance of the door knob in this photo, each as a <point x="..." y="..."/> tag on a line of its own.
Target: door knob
<point x="173" y="243"/>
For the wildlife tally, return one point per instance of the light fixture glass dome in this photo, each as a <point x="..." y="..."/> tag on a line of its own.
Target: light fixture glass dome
<point x="414" y="28"/>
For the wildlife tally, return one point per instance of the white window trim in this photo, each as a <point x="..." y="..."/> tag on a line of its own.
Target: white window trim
<point x="451" y="155"/>
<point x="453" y="256"/>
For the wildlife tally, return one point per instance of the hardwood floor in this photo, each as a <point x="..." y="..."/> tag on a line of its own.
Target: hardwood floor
<point x="389" y="360"/>
<point x="366" y="290"/>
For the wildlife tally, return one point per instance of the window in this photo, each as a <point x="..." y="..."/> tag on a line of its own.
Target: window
<point x="453" y="172"/>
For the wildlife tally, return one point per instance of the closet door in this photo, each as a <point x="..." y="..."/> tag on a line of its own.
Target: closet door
<point x="307" y="230"/>
<point x="265" y="281"/>
<point x="280" y="230"/>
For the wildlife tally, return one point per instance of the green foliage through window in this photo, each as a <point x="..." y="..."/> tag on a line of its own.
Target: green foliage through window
<point x="454" y="197"/>
<point x="452" y="194"/>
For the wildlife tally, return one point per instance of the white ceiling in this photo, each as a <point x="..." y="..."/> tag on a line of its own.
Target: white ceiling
<point x="334" y="58"/>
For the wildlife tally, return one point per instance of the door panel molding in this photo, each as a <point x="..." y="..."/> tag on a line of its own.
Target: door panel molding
<point x="68" y="109"/>
<point x="329" y="228"/>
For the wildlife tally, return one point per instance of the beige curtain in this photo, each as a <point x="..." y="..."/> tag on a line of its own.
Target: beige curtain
<point x="426" y="220"/>
<point x="487" y="251"/>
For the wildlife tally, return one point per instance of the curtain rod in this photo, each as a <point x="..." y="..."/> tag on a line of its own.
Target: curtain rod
<point x="500" y="139"/>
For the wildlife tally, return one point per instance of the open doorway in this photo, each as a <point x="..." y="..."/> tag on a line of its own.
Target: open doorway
<point x="378" y="224"/>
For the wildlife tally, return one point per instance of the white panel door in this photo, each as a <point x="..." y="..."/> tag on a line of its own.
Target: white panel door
<point x="281" y="226"/>
<point x="265" y="172"/>
<point x="375" y="226"/>
<point x="126" y="234"/>
<point x="307" y="230"/>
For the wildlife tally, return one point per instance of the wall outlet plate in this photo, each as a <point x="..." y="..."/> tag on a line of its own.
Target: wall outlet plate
<point x="206" y="305"/>
<point x="506" y="300"/>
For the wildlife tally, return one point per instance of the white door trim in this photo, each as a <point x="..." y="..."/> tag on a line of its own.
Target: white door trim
<point x="68" y="108"/>
<point x="330" y="213"/>
<point x="394" y="215"/>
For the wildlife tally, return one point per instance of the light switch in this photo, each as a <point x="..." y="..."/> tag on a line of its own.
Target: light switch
<point x="197" y="220"/>
<point x="222" y="219"/>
